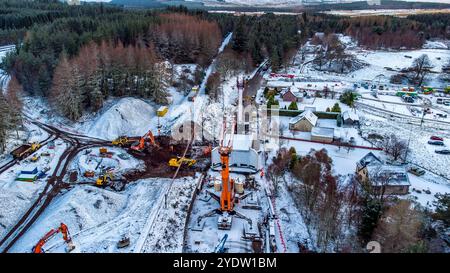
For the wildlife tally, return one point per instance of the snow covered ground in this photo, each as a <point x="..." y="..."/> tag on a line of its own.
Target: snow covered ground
<point x="98" y="218"/>
<point x="17" y="196"/>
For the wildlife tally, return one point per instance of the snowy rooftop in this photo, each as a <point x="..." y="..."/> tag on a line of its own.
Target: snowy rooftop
<point x="308" y="115"/>
<point x="322" y="132"/>
<point x="368" y="159"/>
<point x="350" y="115"/>
<point x="394" y="175"/>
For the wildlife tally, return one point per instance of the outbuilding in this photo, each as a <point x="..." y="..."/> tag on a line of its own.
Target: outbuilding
<point x="304" y="122"/>
<point x="322" y="134"/>
<point x="350" y="118"/>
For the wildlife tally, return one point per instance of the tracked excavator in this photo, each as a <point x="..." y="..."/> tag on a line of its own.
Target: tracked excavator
<point x="64" y="230"/>
<point x="139" y="146"/>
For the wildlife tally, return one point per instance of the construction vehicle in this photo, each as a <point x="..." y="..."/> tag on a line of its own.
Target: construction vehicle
<point x="89" y="174"/>
<point x="123" y="242"/>
<point x="227" y="197"/>
<point x="120" y="141"/>
<point x="103" y="179"/>
<point x="104" y="152"/>
<point x="140" y="145"/>
<point x="220" y="248"/>
<point x="179" y="161"/>
<point x="38" y="248"/>
<point x="25" y="150"/>
<point x="35" y="158"/>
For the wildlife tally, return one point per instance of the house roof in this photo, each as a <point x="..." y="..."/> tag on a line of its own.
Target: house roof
<point x="308" y="115"/>
<point x="368" y="159"/>
<point x="350" y="115"/>
<point x="322" y="132"/>
<point x="394" y="175"/>
<point x="293" y="90"/>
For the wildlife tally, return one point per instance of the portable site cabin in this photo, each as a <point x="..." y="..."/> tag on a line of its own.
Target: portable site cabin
<point x="28" y="174"/>
<point x="162" y="111"/>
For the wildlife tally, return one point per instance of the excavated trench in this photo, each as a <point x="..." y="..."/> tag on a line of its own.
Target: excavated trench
<point x="156" y="160"/>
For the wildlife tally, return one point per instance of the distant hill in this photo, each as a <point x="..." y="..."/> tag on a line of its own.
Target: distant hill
<point x="278" y="5"/>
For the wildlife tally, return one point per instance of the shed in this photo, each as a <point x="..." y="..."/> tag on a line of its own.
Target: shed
<point x="322" y="134"/>
<point x="304" y="122"/>
<point x="350" y="118"/>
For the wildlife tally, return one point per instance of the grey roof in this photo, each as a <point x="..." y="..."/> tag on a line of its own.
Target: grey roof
<point x="350" y="115"/>
<point x="308" y="115"/>
<point x="394" y="175"/>
<point x="368" y="159"/>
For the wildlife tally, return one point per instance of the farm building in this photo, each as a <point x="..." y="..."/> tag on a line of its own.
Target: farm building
<point x="304" y="122"/>
<point x="292" y="94"/>
<point x="350" y="118"/>
<point x="243" y="158"/>
<point x="389" y="179"/>
<point x="322" y="134"/>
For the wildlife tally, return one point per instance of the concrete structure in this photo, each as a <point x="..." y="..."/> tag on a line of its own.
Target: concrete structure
<point x="243" y="158"/>
<point x="322" y="134"/>
<point x="350" y="118"/>
<point x="382" y="178"/>
<point x="303" y="122"/>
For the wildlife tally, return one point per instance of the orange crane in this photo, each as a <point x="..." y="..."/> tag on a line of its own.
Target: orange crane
<point x="227" y="197"/>
<point x="38" y="248"/>
<point x="140" y="145"/>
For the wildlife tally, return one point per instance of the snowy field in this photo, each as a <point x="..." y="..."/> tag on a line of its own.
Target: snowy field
<point x="98" y="218"/>
<point x="17" y="196"/>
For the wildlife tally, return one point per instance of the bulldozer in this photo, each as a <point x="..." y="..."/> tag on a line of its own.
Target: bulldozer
<point x="177" y="162"/>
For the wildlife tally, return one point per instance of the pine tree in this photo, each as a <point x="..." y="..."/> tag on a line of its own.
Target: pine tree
<point x="293" y="106"/>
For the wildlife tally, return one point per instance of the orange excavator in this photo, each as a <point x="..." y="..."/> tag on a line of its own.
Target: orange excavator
<point x="140" y="145"/>
<point x="38" y="248"/>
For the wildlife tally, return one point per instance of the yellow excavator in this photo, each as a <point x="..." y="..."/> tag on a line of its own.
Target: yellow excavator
<point x="176" y="162"/>
<point x="103" y="179"/>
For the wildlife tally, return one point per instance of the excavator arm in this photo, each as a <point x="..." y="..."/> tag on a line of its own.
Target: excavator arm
<point x="63" y="229"/>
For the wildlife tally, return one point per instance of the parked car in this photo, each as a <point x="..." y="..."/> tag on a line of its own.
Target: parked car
<point x="436" y="142"/>
<point x="437" y="138"/>
<point x="416" y="171"/>
<point x="443" y="152"/>
<point x="441" y="115"/>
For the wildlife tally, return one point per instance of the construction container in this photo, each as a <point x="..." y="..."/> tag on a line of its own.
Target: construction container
<point x="103" y="150"/>
<point x="217" y="185"/>
<point x="162" y="111"/>
<point x="27" y="177"/>
<point x="239" y="187"/>
<point x="29" y="170"/>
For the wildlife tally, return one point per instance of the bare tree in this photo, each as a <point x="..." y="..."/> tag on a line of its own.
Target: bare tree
<point x="421" y="66"/>
<point x="398" y="229"/>
<point x="394" y="146"/>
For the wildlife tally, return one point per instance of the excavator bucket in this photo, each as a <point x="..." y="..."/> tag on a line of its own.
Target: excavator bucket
<point x="70" y="246"/>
